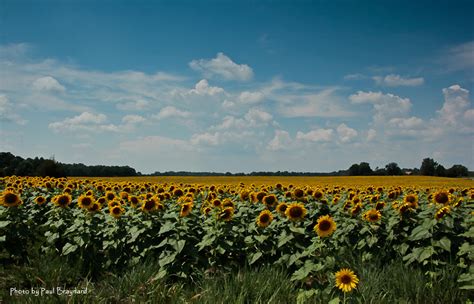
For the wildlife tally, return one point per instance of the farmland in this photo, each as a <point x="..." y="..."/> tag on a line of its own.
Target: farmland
<point x="238" y="239"/>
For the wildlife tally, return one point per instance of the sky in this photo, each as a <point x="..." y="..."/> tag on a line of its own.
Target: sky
<point x="238" y="86"/>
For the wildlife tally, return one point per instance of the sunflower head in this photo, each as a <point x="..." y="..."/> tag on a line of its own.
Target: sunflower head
<point x="226" y="214"/>
<point x="149" y="205"/>
<point x="346" y="280"/>
<point x="186" y="209"/>
<point x="217" y="203"/>
<point x="295" y="212"/>
<point x="442" y="197"/>
<point x="85" y="201"/>
<point x="264" y="218"/>
<point x="109" y="195"/>
<point x="298" y="193"/>
<point x="95" y="207"/>
<point x="281" y="208"/>
<point x="40" y="200"/>
<point x="442" y="212"/>
<point x="372" y="216"/>
<point x="116" y="211"/>
<point x="133" y="200"/>
<point x="62" y="200"/>
<point x="325" y="226"/>
<point x="10" y="199"/>
<point x="379" y="205"/>
<point x="412" y="200"/>
<point x="270" y="200"/>
<point x="244" y="195"/>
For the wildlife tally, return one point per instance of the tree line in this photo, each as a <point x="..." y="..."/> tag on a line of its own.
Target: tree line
<point x="38" y="166"/>
<point x="16" y="165"/>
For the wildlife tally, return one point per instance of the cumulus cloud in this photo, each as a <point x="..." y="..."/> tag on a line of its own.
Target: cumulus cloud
<point x="385" y="106"/>
<point x="322" y="104"/>
<point x="459" y="57"/>
<point x="280" y="141"/>
<point x="371" y="134"/>
<point x="7" y="112"/>
<point x="319" y="135"/>
<point x="393" y="80"/>
<point x="345" y="133"/>
<point x="171" y="112"/>
<point x="48" y="83"/>
<point x="256" y="116"/>
<point x="222" y="67"/>
<point x="133" y="119"/>
<point x="251" y="97"/>
<point x="203" y="88"/>
<point x="205" y="139"/>
<point x="84" y="122"/>
<point x="407" y="123"/>
<point x="456" y="102"/>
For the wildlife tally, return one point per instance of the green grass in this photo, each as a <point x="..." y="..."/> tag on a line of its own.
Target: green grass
<point x="394" y="283"/>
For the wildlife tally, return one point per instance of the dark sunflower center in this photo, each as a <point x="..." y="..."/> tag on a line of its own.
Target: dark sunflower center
<point x="283" y="208"/>
<point x="296" y="212"/>
<point x="270" y="200"/>
<point x="299" y="193"/>
<point x="410" y="199"/>
<point x="134" y="200"/>
<point x="324" y="225"/>
<point x="10" y="198"/>
<point x="185" y="208"/>
<point x="318" y="195"/>
<point x="110" y="196"/>
<point x="40" y="199"/>
<point x="116" y="210"/>
<point x="346" y="279"/>
<point x="63" y="200"/>
<point x="86" y="201"/>
<point x="373" y="216"/>
<point x="149" y="205"/>
<point x="442" y="198"/>
<point x="264" y="218"/>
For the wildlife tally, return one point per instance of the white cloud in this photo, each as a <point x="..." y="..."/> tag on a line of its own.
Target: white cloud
<point x="222" y="66"/>
<point x="460" y="57"/>
<point x="7" y="112"/>
<point x="280" y="141"/>
<point x="393" y="80"/>
<point x="170" y="112"/>
<point x="205" y="139"/>
<point x="133" y="119"/>
<point x="322" y="104"/>
<point x="48" y="83"/>
<point x="247" y="97"/>
<point x="84" y="122"/>
<point x="136" y="105"/>
<point x="203" y="88"/>
<point x="356" y="76"/>
<point x="256" y="117"/>
<point x="385" y="106"/>
<point x="319" y="135"/>
<point x="345" y="133"/>
<point x="456" y="102"/>
<point x="371" y="134"/>
<point x="407" y="123"/>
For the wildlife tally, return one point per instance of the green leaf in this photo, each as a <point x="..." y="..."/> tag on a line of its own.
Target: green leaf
<point x="261" y="238"/>
<point x="3" y="238"/>
<point x="425" y="253"/>
<point x="207" y="240"/>
<point x="179" y="246"/>
<point x="444" y="243"/>
<point x="4" y="223"/>
<point x="167" y="260"/>
<point x="419" y="233"/>
<point x="69" y="248"/>
<point x="254" y="257"/>
<point x="284" y="238"/>
<point x="335" y="301"/>
<point x="298" y="230"/>
<point x="168" y="226"/>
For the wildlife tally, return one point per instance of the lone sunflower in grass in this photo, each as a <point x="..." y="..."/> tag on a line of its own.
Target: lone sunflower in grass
<point x="346" y="280"/>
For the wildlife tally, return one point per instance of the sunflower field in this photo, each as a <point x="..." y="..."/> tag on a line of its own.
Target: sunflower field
<point x="321" y="235"/>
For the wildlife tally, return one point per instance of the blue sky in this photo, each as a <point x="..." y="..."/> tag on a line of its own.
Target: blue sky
<point x="238" y="86"/>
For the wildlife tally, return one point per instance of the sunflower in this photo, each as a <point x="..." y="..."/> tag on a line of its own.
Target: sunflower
<point x="442" y="197"/>
<point x="62" y="200"/>
<point x="403" y="208"/>
<point x="295" y="212"/>
<point x="318" y="194"/>
<point x="270" y="200"/>
<point x="281" y="208"/>
<point x="356" y="209"/>
<point x="116" y="211"/>
<point x="259" y="196"/>
<point x="412" y="200"/>
<point x="442" y="212"/>
<point x="244" y="195"/>
<point x="346" y="280"/>
<point x="264" y="218"/>
<point x="84" y="201"/>
<point x="186" y="209"/>
<point x="226" y="214"/>
<point x="40" y="200"/>
<point x="217" y="203"/>
<point x="373" y="215"/>
<point x="178" y="192"/>
<point x="133" y="200"/>
<point x="325" y="226"/>
<point x="110" y="195"/>
<point x="149" y="205"/>
<point x="379" y="205"/>
<point x="10" y="199"/>
<point x="206" y="210"/>
<point x="95" y="207"/>
<point x="228" y="203"/>
<point x="298" y="193"/>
